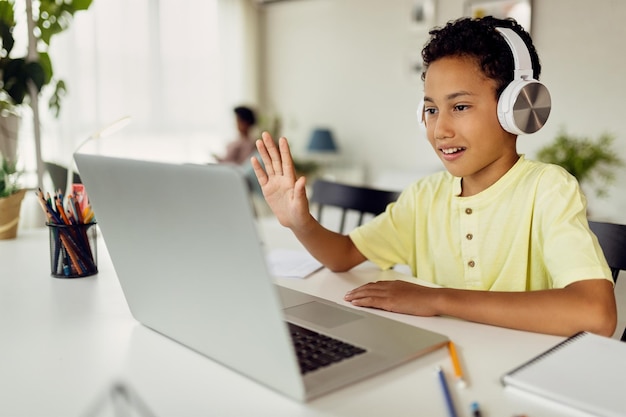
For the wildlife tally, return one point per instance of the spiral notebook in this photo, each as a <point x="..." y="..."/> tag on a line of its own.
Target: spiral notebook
<point x="585" y="371"/>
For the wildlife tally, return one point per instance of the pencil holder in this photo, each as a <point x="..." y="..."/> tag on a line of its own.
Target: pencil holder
<point x="73" y="250"/>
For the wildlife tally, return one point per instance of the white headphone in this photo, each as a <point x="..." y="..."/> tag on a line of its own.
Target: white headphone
<point x="524" y="105"/>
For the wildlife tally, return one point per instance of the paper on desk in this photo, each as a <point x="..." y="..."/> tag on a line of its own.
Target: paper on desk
<point x="290" y="263"/>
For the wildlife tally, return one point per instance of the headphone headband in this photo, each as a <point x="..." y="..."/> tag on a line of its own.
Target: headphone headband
<point x="521" y="56"/>
<point x="524" y="105"/>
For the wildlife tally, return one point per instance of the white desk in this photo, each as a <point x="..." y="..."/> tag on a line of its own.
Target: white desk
<point x="65" y="342"/>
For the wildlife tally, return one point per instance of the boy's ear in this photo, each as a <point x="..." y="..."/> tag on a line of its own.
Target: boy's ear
<point x="525" y="104"/>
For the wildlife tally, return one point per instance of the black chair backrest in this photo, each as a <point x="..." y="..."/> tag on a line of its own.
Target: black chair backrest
<point x="612" y="238"/>
<point x="58" y="174"/>
<point x="350" y="197"/>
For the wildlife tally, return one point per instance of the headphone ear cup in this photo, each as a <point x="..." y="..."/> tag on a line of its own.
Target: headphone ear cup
<point x="524" y="107"/>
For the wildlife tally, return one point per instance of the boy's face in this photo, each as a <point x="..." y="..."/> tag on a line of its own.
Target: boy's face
<point x="462" y="123"/>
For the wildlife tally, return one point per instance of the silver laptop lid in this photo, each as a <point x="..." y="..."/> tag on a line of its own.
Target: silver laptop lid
<point x="181" y="281"/>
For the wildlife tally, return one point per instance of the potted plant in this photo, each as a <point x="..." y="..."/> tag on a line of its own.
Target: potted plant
<point x="592" y="162"/>
<point x="52" y="17"/>
<point x="11" y="195"/>
<point x="24" y="73"/>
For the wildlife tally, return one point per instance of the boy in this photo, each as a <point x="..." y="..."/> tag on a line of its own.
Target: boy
<point x="506" y="238"/>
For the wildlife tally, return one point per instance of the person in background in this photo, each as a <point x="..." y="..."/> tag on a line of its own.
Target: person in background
<point x="505" y="239"/>
<point x="240" y="150"/>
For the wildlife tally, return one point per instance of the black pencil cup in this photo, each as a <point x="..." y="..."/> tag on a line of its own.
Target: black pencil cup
<point x="73" y="250"/>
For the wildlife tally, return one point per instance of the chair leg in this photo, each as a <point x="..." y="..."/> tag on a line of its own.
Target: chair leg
<point x="343" y="221"/>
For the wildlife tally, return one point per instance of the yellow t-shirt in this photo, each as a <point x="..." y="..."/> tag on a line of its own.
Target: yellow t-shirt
<point x="528" y="231"/>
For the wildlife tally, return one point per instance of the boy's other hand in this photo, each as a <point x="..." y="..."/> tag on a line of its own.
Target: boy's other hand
<point x="396" y="296"/>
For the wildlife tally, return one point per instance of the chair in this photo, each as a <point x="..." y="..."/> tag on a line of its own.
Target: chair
<point x="58" y="174"/>
<point x="350" y="198"/>
<point x="612" y="238"/>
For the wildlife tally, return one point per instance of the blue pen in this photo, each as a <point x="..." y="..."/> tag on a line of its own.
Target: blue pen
<point x="476" y="410"/>
<point x="446" y="392"/>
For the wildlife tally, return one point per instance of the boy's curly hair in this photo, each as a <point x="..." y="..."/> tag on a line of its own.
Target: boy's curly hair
<point x="477" y="38"/>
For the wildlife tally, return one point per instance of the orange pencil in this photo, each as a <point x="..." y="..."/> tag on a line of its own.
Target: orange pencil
<point x="458" y="372"/>
<point x="61" y="211"/>
<point x="88" y="214"/>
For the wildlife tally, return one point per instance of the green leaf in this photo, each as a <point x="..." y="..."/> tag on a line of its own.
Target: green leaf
<point x="592" y="162"/>
<point x="8" y="178"/>
<point x="7" y="15"/>
<point x="46" y="66"/>
<point x="6" y="34"/>
<point x="55" y="100"/>
<point x="81" y="4"/>
<point x="14" y="79"/>
<point x="52" y="17"/>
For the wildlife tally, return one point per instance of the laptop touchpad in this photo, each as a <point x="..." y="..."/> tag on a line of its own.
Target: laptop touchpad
<point x="322" y="314"/>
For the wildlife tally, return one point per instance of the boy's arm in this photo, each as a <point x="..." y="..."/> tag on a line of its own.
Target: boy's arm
<point x="587" y="305"/>
<point x="286" y="196"/>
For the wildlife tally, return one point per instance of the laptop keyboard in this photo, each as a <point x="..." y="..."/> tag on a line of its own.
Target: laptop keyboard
<point x="315" y="350"/>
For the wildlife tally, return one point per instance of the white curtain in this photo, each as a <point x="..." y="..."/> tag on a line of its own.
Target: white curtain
<point x="238" y="31"/>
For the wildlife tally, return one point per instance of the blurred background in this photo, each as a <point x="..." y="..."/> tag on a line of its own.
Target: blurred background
<point x="178" y="67"/>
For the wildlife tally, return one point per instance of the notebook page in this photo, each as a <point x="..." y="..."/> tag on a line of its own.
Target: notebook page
<point x="586" y="371"/>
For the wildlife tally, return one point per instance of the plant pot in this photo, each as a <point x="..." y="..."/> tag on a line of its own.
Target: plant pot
<point x="10" y="214"/>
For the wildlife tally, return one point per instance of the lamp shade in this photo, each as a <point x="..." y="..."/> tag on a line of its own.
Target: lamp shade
<point x="322" y="141"/>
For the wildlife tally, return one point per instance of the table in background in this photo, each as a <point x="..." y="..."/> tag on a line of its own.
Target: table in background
<point x="67" y="342"/>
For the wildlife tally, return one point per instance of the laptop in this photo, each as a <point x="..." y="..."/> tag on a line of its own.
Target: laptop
<point x="184" y="244"/>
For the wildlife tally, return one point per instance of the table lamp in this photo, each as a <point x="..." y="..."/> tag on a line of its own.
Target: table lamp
<point x="321" y="141"/>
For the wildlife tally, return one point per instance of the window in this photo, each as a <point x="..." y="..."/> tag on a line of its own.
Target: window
<point x="163" y="63"/>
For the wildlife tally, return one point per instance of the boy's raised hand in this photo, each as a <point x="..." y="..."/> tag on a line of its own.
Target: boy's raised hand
<point x="285" y="194"/>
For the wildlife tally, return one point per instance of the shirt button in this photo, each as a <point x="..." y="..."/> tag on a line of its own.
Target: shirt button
<point x="468" y="211"/>
<point x="471" y="264"/>
<point x="469" y="236"/>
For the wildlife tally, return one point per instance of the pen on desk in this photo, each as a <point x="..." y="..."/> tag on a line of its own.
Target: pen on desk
<point x="446" y="392"/>
<point x="458" y="371"/>
<point x="476" y="410"/>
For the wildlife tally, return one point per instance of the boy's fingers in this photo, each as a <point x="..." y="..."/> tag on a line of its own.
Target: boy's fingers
<point x="265" y="156"/>
<point x="273" y="155"/>
<point x="300" y="188"/>
<point x="261" y="176"/>
<point x="276" y="160"/>
<point x="287" y="160"/>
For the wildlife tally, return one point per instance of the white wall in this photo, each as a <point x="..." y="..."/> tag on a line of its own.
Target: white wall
<point x="345" y="64"/>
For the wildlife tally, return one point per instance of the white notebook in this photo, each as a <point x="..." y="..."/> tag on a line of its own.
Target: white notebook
<point x="585" y="371"/>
